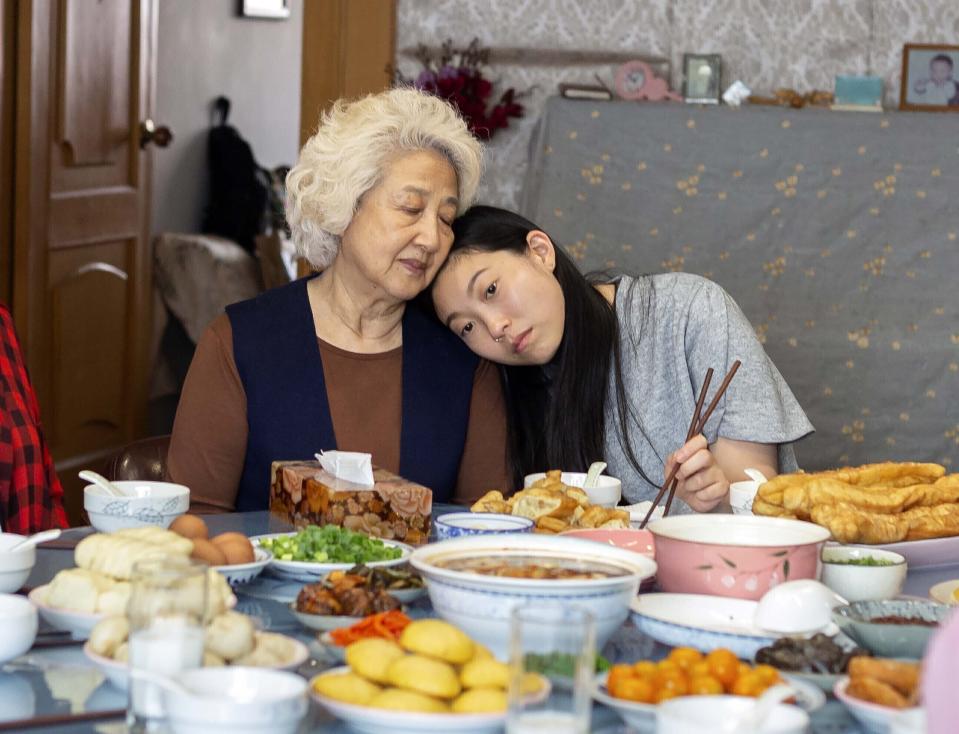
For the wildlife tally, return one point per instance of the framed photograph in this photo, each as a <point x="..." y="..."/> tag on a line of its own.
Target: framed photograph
<point x="930" y="78"/>
<point x="273" y="9"/>
<point x="702" y="76"/>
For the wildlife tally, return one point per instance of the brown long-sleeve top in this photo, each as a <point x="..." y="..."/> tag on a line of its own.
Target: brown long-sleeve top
<point x="208" y="445"/>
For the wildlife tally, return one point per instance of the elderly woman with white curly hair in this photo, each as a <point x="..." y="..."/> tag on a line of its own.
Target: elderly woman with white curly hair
<point x="342" y="359"/>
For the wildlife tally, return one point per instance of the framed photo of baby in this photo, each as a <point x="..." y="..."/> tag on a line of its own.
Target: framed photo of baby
<point x="930" y="78"/>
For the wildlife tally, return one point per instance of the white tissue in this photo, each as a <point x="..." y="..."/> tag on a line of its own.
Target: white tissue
<point x="736" y="94"/>
<point x="350" y="466"/>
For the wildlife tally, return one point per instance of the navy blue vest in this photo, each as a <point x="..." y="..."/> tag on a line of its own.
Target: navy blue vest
<point x="288" y="412"/>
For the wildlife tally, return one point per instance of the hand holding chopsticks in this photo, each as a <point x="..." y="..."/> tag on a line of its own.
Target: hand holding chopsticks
<point x="696" y="426"/>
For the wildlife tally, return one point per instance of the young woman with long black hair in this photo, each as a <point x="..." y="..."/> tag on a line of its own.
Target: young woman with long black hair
<point x="597" y="368"/>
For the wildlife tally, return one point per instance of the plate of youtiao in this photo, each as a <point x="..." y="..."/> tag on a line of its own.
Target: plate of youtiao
<point x="908" y="507"/>
<point x="434" y="678"/>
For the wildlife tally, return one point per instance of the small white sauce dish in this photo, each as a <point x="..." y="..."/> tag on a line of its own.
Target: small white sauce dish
<point x="856" y="582"/>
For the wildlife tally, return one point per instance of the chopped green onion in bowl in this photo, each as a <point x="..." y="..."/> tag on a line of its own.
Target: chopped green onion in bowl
<point x="330" y="544"/>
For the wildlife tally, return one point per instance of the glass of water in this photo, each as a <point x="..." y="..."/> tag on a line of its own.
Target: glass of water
<point x="554" y="644"/>
<point x="167" y="617"/>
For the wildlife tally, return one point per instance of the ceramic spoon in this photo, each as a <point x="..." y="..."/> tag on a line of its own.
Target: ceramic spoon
<point x="755" y="475"/>
<point x="592" y="474"/>
<point x="102" y="482"/>
<point x="36" y="539"/>
<point x="752" y="720"/>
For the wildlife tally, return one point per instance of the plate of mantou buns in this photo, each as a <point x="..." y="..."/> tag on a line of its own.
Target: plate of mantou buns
<point x="909" y="507"/>
<point x="232" y="554"/>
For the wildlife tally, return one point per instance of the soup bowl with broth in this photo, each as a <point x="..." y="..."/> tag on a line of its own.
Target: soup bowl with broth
<point x="475" y="582"/>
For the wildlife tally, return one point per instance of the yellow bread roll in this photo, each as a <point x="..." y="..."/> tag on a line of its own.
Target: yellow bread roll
<point x="480" y="701"/>
<point x="488" y="673"/>
<point x="437" y="639"/>
<point x="424" y="675"/>
<point x="402" y="700"/>
<point x="346" y="687"/>
<point x="371" y="657"/>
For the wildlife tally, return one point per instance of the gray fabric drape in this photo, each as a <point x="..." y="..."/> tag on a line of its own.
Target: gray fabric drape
<point x="836" y="232"/>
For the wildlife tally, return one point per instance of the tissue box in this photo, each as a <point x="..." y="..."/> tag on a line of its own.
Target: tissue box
<point x="304" y="494"/>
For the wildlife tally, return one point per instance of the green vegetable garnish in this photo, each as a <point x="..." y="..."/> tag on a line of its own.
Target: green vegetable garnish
<point x="867" y="561"/>
<point x="330" y="544"/>
<point x="560" y="664"/>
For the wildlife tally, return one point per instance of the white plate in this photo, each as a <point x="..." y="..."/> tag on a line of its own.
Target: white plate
<point x="244" y="573"/>
<point x="642" y="716"/>
<point x="922" y="553"/>
<point x="943" y="592"/>
<point x="874" y="718"/>
<point x="78" y="624"/>
<point x="309" y="572"/>
<point x="323" y="622"/>
<point x="385" y="721"/>
<point x="705" y="622"/>
<point x="116" y="671"/>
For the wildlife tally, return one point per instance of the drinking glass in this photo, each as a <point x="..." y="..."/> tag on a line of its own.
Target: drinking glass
<point x="558" y="643"/>
<point x="166" y="614"/>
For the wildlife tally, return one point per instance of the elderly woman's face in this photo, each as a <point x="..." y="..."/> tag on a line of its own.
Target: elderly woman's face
<point x="401" y="233"/>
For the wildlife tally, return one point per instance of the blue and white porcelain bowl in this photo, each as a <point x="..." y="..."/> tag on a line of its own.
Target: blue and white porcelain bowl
<point x="480" y="604"/>
<point x="459" y="524"/>
<point x="149" y="503"/>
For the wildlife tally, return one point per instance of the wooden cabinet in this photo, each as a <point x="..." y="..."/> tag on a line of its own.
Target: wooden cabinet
<point x="348" y="51"/>
<point x="80" y="259"/>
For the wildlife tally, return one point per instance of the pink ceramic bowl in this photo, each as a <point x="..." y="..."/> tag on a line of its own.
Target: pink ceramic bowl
<point x="741" y="556"/>
<point x="640" y="541"/>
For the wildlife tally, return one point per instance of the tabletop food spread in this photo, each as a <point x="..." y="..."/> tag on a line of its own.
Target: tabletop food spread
<point x="376" y="611"/>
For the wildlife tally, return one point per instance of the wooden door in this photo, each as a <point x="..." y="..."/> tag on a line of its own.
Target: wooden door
<point x="85" y="82"/>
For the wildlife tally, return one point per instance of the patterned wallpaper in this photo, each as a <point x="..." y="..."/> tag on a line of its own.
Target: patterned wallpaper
<point x="801" y="44"/>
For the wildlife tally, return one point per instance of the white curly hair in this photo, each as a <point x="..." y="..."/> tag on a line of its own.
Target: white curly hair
<point x="346" y="157"/>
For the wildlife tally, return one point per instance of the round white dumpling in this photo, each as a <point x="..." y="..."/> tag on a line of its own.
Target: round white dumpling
<point x="122" y="653"/>
<point x="212" y="661"/>
<point x="230" y="635"/>
<point x="271" y="650"/>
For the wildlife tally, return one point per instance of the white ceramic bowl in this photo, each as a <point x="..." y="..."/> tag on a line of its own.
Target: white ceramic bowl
<point x="459" y="524"/>
<point x="243" y="573"/>
<point x="150" y="503"/>
<point x="237" y="699"/>
<point x="797" y="607"/>
<point x="18" y="626"/>
<point x="697" y="714"/>
<point x="862" y="583"/>
<point x="910" y="721"/>
<point x="606" y="493"/>
<point x="15" y="566"/>
<point x="874" y="718"/>
<point x="116" y="671"/>
<point x="480" y="604"/>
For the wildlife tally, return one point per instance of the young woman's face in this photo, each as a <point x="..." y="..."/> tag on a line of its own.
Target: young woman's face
<point x="508" y="308"/>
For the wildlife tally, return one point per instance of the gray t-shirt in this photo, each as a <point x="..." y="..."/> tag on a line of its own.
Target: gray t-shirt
<point x="674" y="327"/>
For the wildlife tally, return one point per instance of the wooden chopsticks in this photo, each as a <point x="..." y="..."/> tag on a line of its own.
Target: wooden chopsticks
<point x="696" y="426"/>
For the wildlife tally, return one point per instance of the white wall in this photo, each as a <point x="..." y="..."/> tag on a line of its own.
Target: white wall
<point x="205" y="50"/>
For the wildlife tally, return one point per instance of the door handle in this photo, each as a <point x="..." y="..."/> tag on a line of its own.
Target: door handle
<point x="159" y="135"/>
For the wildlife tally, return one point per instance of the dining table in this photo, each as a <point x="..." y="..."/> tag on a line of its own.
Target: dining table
<point x="55" y="688"/>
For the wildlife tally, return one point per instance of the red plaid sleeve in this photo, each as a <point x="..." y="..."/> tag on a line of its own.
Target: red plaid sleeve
<point x="31" y="498"/>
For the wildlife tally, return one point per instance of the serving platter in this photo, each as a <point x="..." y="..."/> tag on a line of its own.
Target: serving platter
<point x="705" y="622"/>
<point x="924" y="553"/>
<point x="642" y="716"/>
<point x="309" y="572"/>
<point x="385" y="721"/>
<point x="78" y="624"/>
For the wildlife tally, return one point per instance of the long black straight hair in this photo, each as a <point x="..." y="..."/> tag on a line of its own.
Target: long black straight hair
<point x="556" y="412"/>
